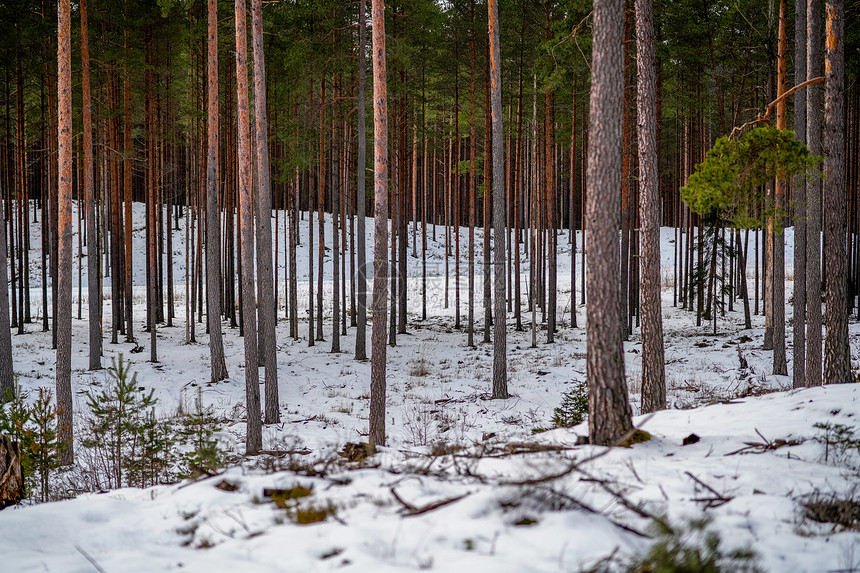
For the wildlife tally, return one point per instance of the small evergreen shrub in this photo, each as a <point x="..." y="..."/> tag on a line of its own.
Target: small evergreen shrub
<point x="197" y="431"/>
<point x="34" y="427"/>
<point x="121" y="431"/>
<point x="573" y="408"/>
<point x="693" y="550"/>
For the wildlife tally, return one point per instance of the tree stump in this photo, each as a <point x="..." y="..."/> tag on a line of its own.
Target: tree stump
<point x="11" y="477"/>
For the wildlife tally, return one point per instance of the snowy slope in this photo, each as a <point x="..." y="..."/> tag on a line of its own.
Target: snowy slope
<point x="438" y="392"/>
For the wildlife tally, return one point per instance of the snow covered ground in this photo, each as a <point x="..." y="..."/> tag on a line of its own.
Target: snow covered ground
<point x="448" y="441"/>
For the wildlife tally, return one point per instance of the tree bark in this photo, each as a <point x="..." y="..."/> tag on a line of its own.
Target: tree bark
<point x="361" y="195"/>
<point x="268" y="311"/>
<point x="500" y="375"/>
<point x="778" y="284"/>
<point x="128" y="150"/>
<point x="837" y="357"/>
<point x="11" y="476"/>
<point x="218" y="366"/>
<point x="93" y="290"/>
<point x="254" y="430"/>
<point x="380" y="262"/>
<point x="608" y="407"/>
<point x="65" y="415"/>
<point x="813" y="198"/>
<point x="799" y="287"/>
<point x="653" y="370"/>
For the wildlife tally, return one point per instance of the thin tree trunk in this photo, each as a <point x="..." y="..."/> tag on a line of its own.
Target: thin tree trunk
<point x="127" y="188"/>
<point x="335" y="240"/>
<point x="500" y="377"/>
<point x="799" y="292"/>
<point x="93" y="291"/>
<point x="813" y="198"/>
<point x="361" y="195"/>
<point x="780" y="367"/>
<point x="151" y="207"/>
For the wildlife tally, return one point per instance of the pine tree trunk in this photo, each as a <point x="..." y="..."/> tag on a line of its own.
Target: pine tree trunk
<point x="380" y="263"/>
<point x="813" y="198"/>
<point x="780" y="367"/>
<point x="254" y="430"/>
<point x="65" y="414"/>
<point x="268" y="311"/>
<point x="361" y="194"/>
<point x="128" y="297"/>
<point x="7" y="380"/>
<point x="837" y="357"/>
<point x="335" y="242"/>
<point x="321" y="213"/>
<point x="653" y="371"/>
<point x="151" y="207"/>
<point x="93" y="290"/>
<point x="218" y="366"/>
<point x="500" y="375"/>
<point x="799" y="292"/>
<point x="608" y="407"/>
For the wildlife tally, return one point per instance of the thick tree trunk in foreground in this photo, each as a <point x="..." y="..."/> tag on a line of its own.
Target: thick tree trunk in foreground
<point x="218" y="367"/>
<point x="380" y="256"/>
<point x="64" y="231"/>
<point x="500" y="374"/>
<point x="254" y="430"/>
<point x="268" y="314"/>
<point x="653" y="371"/>
<point x="608" y="407"/>
<point x="11" y="476"/>
<point x="837" y="358"/>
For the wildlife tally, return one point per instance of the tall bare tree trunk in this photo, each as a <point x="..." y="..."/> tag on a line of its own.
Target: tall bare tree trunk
<point x="361" y="196"/>
<point x="837" y="357"/>
<point x="127" y="189"/>
<point x="653" y="370"/>
<point x="254" y="430"/>
<point x="7" y="380"/>
<point x="65" y="416"/>
<point x="93" y="290"/>
<point x="500" y="374"/>
<point x="778" y="284"/>
<point x="380" y="257"/>
<point x="473" y="192"/>
<point x="151" y="207"/>
<point x="799" y="292"/>
<point x="335" y="243"/>
<point x="608" y="407"/>
<point x="268" y="314"/>
<point x="813" y="197"/>
<point x="218" y="367"/>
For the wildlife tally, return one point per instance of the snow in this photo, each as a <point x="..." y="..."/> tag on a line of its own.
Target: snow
<point x="194" y="526"/>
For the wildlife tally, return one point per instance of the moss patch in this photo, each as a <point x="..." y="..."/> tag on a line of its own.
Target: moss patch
<point x="637" y="437"/>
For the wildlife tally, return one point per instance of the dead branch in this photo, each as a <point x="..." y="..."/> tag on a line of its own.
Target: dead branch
<point x="770" y="106"/>
<point x="412" y="510"/>
<point x="716" y="501"/>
